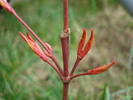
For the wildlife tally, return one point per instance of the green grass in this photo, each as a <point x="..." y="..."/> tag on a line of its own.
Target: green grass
<point x="23" y="76"/>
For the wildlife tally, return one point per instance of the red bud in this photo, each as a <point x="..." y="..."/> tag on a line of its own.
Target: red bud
<point x="100" y="69"/>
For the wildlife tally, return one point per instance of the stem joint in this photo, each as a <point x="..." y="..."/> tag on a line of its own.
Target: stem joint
<point x="66" y="79"/>
<point x="65" y="33"/>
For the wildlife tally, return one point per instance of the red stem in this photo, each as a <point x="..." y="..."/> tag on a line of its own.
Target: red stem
<point x="75" y="65"/>
<point x="65" y="91"/>
<point x="65" y="51"/>
<point x="56" y="63"/>
<point x="54" y="68"/>
<point x="74" y="76"/>
<point x="65" y="40"/>
<point x="65" y="5"/>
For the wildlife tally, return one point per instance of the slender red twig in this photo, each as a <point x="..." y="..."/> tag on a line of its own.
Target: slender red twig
<point x="56" y="63"/>
<point x="75" y="65"/>
<point x="74" y="76"/>
<point x="55" y="68"/>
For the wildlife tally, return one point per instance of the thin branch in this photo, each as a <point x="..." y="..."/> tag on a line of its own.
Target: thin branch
<point x="56" y="63"/>
<point x="75" y="65"/>
<point x="74" y="76"/>
<point x="55" y="69"/>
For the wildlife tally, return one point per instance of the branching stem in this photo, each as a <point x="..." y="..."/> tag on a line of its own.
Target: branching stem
<point x="65" y="40"/>
<point x="65" y="51"/>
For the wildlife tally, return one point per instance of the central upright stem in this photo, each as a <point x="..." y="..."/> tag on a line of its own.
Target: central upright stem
<point x="65" y="40"/>
<point x="65" y="50"/>
<point x="65" y="91"/>
<point x="65" y="5"/>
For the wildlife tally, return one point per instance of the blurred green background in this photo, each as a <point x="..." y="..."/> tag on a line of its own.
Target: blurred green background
<point x="23" y="76"/>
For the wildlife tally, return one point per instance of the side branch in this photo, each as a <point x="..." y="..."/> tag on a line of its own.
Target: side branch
<point x="56" y="63"/>
<point x="75" y="66"/>
<point x="55" y="69"/>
